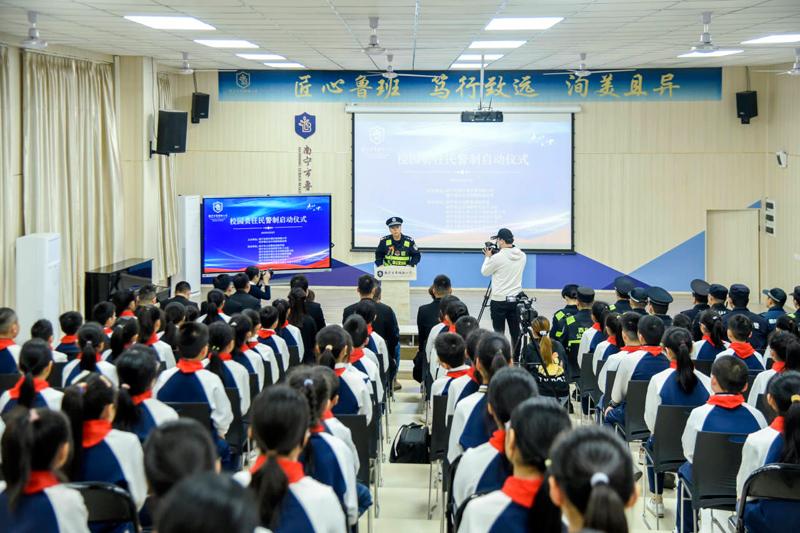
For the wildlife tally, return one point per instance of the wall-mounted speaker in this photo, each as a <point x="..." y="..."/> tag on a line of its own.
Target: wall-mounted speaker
<point x="171" y="132"/>
<point x="199" y="107"/>
<point x="746" y="106"/>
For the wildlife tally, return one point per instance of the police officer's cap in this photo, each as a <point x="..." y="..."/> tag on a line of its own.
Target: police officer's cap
<point x="570" y="290"/>
<point x="394" y="221"/>
<point x="738" y="290"/>
<point x="659" y="296"/>
<point x="623" y="285"/>
<point x="700" y="287"/>
<point x="720" y="292"/>
<point x="638" y="295"/>
<point x="777" y="294"/>
<point x="796" y="293"/>
<point x="585" y="295"/>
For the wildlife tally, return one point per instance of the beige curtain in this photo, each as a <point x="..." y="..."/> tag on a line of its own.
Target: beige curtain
<point x="10" y="192"/>
<point x="71" y="169"/>
<point x="165" y="263"/>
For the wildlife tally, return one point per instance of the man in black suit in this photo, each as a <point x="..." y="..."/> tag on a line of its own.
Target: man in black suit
<point x="259" y="283"/>
<point x="384" y="325"/>
<point x="313" y="309"/>
<point x="182" y="292"/>
<point x="241" y="300"/>
<point x="428" y="314"/>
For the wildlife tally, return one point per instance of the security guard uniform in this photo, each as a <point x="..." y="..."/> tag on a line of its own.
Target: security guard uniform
<point x="699" y="288"/>
<point x="796" y="298"/>
<point x="401" y="252"/>
<point x="557" y="324"/>
<point x="758" y="339"/>
<point x="771" y="315"/>
<point x="574" y="326"/>
<point x="623" y="285"/>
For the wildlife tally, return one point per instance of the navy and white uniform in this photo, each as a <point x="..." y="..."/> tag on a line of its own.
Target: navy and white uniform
<point x="235" y="376"/>
<point x="341" y="432"/>
<point x="758" y="338"/>
<point x="252" y="361"/>
<point x="279" y="348"/>
<point x="163" y="351"/>
<point x="378" y="345"/>
<point x="332" y="464"/>
<point x="72" y="372"/>
<point x="745" y="352"/>
<point x="603" y="351"/>
<point x="45" y="396"/>
<point x="761" y="381"/>
<point x="705" y="350"/>
<point x="268" y="358"/>
<point x="308" y="506"/>
<point x="355" y="392"/>
<point x="152" y="413"/>
<point x="502" y="511"/>
<point x="482" y="469"/>
<point x="435" y="368"/>
<point x="460" y="388"/>
<point x="367" y="366"/>
<point x="472" y="425"/>
<point x="639" y="366"/>
<point x="665" y="390"/>
<point x="442" y="386"/>
<point x="46" y="506"/>
<point x="9" y="356"/>
<point x="297" y="336"/>
<point x="761" y="447"/>
<point x="220" y="316"/>
<point x="588" y="343"/>
<point x="69" y="345"/>
<point x="612" y="364"/>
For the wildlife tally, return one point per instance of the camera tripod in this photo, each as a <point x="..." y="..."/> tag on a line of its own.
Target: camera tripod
<point x="485" y="302"/>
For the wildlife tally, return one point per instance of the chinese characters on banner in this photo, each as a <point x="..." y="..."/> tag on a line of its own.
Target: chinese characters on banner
<point x="305" y="125"/>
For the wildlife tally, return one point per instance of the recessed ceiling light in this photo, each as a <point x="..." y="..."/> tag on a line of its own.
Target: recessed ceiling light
<point x="713" y="53"/>
<point x="226" y="43"/>
<point x="523" y="23"/>
<point x="466" y="66"/>
<point x="170" y="23"/>
<point x="262" y="57"/>
<point x="776" y="39"/>
<point x="477" y="57"/>
<point x="496" y="44"/>
<point x="285" y="65"/>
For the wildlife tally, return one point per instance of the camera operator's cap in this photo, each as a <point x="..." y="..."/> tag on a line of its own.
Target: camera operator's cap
<point x="738" y="290"/>
<point x="720" y="292"/>
<point x="700" y="287"/>
<point x="777" y="294"/>
<point x="394" y="221"/>
<point x="570" y="290"/>
<point x="624" y="285"/>
<point x="585" y="295"/>
<point x="504" y="234"/>
<point x="659" y="296"/>
<point x="638" y="295"/>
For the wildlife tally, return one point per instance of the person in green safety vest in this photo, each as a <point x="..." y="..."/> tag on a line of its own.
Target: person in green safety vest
<point x="396" y="249"/>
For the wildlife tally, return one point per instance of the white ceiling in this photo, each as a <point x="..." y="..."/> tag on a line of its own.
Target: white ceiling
<point x="326" y="34"/>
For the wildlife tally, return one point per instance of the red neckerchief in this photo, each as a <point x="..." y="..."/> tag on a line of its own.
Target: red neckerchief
<point x="612" y="339"/>
<point x="726" y="400"/>
<point x="522" y="491"/>
<point x="252" y="344"/>
<point x="370" y="331"/>
<point x="5" y="343"/>
<point x="596" y="326"/>
<point x="152" y="340"/>
<point x="225" y="356"/>
<point x="38" y="386"/>
<point x="673" y="364"/>
<point x="69" y="339"/>
<point x="472" y="373"/>
<point x="451" y="329"/>
<point x="778" y="366"/>
<point x="40" y="480"/>
<point x="327" y="415"/>
<point x="187" y="366"/>
<point x="265" y="333"/>
<point x="285" y="323"/>
<point x="108" y="331"/>
<point x="458" y="373"/>
<point x="319" y="428"/>
<point x="127" y="313"/>
<point x="356" y="355"/>
<point x="94" y="431"/>
<point x="655" y="351"/>
<point x="139" y="398"/>
<point x="498" y="441"/>
<point x="340" y="370"/>
<point x="630" y="349"/>
<point x="777" y="424"/>
<point x="97" y="356"/>
<point x="743" y="350"/>
<point x="244" y="348"/>
<point x="292" y="469"/>
<point x="707" y="338"/>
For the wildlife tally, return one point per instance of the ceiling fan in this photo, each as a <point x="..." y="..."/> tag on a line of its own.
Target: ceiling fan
<point x="705" y="47"/>
<point x="186" y="69"/>
<point x="794" y="71"/>
<point x="373" y="48"/>
<point x="390" y="73"/>
<point x="33" y="41"/>
<point x="582" y="71"/>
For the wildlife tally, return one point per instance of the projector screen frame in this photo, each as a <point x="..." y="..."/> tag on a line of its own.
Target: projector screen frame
<point x="206" y="276"/>
<point x="564" y="110"/>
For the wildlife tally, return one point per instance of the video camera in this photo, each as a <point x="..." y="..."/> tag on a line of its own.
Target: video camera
<point x="525" y="308"/>
<point x="262" y="273"/>
<point x="491" y="246"/>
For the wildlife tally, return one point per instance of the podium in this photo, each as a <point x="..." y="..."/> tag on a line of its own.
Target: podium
<point x="395" y="290"/>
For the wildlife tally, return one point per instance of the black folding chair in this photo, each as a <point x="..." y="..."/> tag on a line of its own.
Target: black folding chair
<point x="196" y="411"/>
<point x="109" y="506"/>
<point x="588" y="381"/>
<point x="55" y="379"/>
<point x="294" y="356"/>
<point x="7" y="381"/>
<point x="597" y="393"/>
<point x="762" y="405"/>
<point x="254" y="390"/>
<point x="235" y="436"/>
<point x="359" y="431"/>
<point x="770" y="362"/>
<point x="438" y="443"/>
<point x="451" y="510"/>
<point x="634" y="427"/>
<point x="776" y="481"/>
<point x="704" y="366"/>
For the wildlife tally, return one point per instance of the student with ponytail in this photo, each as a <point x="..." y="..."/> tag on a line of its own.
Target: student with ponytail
<point x="713" y="340"/>
<point x="544" y="359"/>
<point x="333" y="348"/>
<point x="376" y="345"/>
<point x="680" y="384"/>
<point x="522" y="502"/>
<point x="102" y="453"/>
<point x="149" y="318"/>
<point x="288" y="332"/>
<point x="484" y="468"/>
<point x="137" y="410"/>
<point x="630" y="345"/>
<point x="596" y="334"/>
<point x="356" y="327"/>
<point x="125" y="334"/>
<point x="32" y="389"/>
<point x="35" y="446"/>
<point x="220" y="362"/>
<point x="92" y="342"/>
<point x="332" y="424"/>
<point x="785" y="350"/>
<point x="592" y="479"/>
<point x="463" y="386"/>
<point x="211" y="310"/>
<point x="287" y="499"/>
<point x="242" y="353"/>
<point x="298" y="316"/>
<point x="472" y="424"/>
<point x="613" y="343"/>
<point x="268" y="336"/>
<point x="174" y="316"/>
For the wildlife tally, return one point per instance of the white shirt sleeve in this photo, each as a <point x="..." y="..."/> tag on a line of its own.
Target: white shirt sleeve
<point x="651" y="404"/>
<point x="69" y="508"/>
<point x="624" y="373"/>
<point x="221" y="412"/>
<point x="693" y="426"/>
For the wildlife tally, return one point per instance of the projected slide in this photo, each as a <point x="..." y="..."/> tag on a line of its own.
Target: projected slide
<point x="455" y="184"/>
<point x="277" y="232"/>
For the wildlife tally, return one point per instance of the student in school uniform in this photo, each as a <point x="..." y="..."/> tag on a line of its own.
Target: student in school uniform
<point x="288" y="500"/>
<point x="453" y="310"/>
<point x="357" y="329"/>
<point x="712" y="341"/>
<point x="332" y="424"/>
<point x="642" y="365"/>
<point x="472" y="425"/>
<point x="593" y="492"/>
<point x="630" y="339"/>
<point x="173" y="315"/>
<point x="570" y="295"/>
<point x="105" y="314"/>
<point x="241" y="351"/>
<point x="738" y="299"/>
<point x="334" y="346"/>
<point x="101" y="452"/>
<point x="220" y="362"/>
<point x="125" y="335"/>
<point x="92" y="342"/>
<point x="290" y="333"/>
<point x="622" y="287"/>
<point x="70" y="322"/>
<point x="9" y="350"/>
<point x="36" y="445"/>
<point x="268" y="360"/>
<point x="367" y="310"/>
<point x="596" y="334"/>
<point x="469" y="383"/>
<point x="124" y="304"/>
<point x="42" y="329"/>
<point x="521" y="502"/>
<point x="784" y="324"/>
<point x="451" y="350"/>
<point x="740" y="328"/>
<point x="613" y="343"/>
<point x="211" y="311"/>
<point x="484" y="468"/>
<point x="32" y="390"/>
<point x="137" y="410"/>
<point x="700" y="300"/>
<point x="149" y="318"/>
<point x="190" y="382"/>
<point x="267" y="335"/>
<point x="725" y="412"/>
<point x="680" y="384"/>
<point x="785" y="349"/>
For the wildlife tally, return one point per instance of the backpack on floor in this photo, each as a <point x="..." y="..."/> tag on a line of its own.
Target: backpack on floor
<point x="411" y="445"/>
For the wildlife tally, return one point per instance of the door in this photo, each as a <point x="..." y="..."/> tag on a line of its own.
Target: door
<point x="732" y="249"/>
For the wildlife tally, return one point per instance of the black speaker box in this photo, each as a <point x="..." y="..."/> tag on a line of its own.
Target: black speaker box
<point x="746" y="106"/>
<point x="171" y="132"/>
<point x="199" y="107"/>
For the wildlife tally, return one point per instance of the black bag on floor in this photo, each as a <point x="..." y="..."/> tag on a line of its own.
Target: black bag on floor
<point x="411" y="445"/>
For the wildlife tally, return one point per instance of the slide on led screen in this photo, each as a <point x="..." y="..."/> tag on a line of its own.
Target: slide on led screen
<point x="277" y="232"/>
<point x="454" y="184"/>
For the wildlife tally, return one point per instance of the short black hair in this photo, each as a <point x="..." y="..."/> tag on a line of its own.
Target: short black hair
<point x="183" y="286"/>
<point x="42" y="329"/>
<point x="222" y="282"/>
<point x="299" y="280"/>
<point x="7" y="319"/>
<point x="367" y="309"/>
<point x="651" y="328"/>
<point x="599" y="311"/>
<point x="466" y="325"/>
<point x="366" y="284"/>
<point x="122" y="299"/>
<point x="741" y="326"/>
<point x="192" y="338"/>
<point x="70" y="322"/>
<point x="731" y="373"/>
<point x="451" y="349"/>
<point x="682" y="321"/>
<point x="741" y="300"/>
<point x="240" y="281"/>
<point x="659" y="309"/>
<point x="630" y="322"/>
<point x="102" y="311"/>
<point x="147" y="292"/>
<point x="441" y="284"/>
<point x="251" y="272"/>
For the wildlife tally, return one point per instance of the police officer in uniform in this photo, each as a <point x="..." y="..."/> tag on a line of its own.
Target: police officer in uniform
<point x="570" y="295"/>
<point x="623" y="286"/>
<point x="396" y="249"/>
<point x="796" y="301"/>
<point x="738" y="298"/>
<point x="776" y="299"/>
<point x="700" y="296"/>
<point x="574" y="326"/>
<point x="717" y="295"/>
<point x="658" y="301"/>
<point x="638" y="299"/>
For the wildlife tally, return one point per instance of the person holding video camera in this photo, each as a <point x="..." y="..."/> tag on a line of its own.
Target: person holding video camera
<point x="259" y="282"/>
<point x="505" y="263"/>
